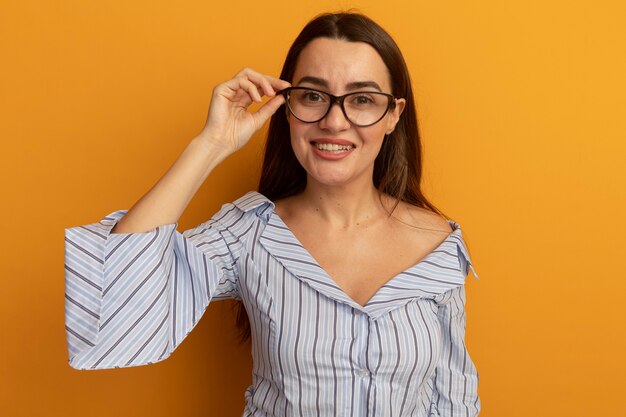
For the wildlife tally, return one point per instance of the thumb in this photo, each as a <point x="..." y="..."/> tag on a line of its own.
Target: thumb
<point x="268" y="109"/>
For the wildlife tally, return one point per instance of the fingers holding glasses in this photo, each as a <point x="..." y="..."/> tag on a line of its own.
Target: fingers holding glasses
<point x="256" y="84"/>
<point x="230" y="121"/>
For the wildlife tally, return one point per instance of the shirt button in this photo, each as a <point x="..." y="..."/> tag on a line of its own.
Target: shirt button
<point x="364" y="373"/>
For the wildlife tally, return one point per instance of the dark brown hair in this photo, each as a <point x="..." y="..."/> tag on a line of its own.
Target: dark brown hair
<point x="398" y="166"/>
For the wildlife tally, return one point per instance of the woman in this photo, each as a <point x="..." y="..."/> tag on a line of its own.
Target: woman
<point x="352" y="282"/>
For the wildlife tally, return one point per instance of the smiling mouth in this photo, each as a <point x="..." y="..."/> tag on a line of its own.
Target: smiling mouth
<point x="332" y="147"/>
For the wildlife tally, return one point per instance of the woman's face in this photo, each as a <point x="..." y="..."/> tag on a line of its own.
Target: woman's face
<point x="340" y="67"/>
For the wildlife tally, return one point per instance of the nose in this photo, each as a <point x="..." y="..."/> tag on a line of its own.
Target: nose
<point x="334" y="120"/>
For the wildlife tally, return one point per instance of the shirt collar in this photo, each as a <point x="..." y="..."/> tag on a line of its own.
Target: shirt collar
<point x="254" y="200"/>
<point x="436" y="273"/>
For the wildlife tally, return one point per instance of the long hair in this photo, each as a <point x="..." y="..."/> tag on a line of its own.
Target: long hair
<point x="398" y="166"/>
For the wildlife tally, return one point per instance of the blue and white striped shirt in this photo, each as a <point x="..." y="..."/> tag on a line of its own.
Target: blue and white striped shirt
<point x="132" y="298"/>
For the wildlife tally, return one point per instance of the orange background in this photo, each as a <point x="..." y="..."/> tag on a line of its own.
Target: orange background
<point x="522" y="107"/>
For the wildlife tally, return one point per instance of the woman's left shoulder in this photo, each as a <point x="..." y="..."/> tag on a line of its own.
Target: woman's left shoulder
<point x="421" y="218"/>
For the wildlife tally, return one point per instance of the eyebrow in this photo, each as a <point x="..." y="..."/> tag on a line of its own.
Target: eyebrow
<point x="350" y="86"/>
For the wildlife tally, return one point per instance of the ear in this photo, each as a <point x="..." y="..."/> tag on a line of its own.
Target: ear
<point x="394" y="115"/>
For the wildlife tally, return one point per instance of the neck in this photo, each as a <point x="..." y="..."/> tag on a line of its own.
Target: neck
<point x="343" y="206"/>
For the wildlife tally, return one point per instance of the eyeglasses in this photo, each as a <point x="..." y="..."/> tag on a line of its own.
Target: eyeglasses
<point x="361" y="108"/>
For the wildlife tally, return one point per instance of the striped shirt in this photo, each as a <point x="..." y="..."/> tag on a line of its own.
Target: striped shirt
<point x="132" y="298"/>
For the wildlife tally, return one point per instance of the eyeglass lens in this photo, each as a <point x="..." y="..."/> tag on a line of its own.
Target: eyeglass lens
<point x="360" y="108"/>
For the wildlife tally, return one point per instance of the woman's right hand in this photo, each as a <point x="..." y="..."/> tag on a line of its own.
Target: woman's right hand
<point x="229" y="124"/>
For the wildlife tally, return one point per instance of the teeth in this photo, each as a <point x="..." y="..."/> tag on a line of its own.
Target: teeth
<point x="333" y="147"/>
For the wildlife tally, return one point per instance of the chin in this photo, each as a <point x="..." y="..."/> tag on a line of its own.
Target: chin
<point x="326" y="180"/>
<point x="334" y="179"/>
<point x="335" y="173"/>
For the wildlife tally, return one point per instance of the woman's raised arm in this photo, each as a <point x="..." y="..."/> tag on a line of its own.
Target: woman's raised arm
<point x="132" y="297"/>
<point x="229" y="126"/>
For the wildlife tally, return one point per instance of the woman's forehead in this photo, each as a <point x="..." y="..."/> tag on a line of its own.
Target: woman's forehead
<point x="341" y="65"/>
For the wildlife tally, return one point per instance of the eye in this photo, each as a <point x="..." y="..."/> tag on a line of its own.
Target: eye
<point x="312" y="97"/>
<point x="362" y="99"/>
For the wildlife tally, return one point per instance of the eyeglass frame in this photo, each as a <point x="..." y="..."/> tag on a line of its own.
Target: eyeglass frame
<point x="391" y="103"/>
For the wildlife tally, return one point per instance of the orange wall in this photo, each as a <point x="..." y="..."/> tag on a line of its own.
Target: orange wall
<point x="522" y="107"/>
